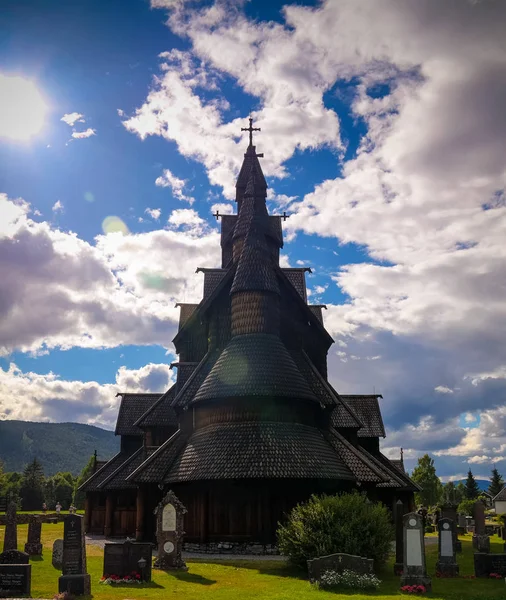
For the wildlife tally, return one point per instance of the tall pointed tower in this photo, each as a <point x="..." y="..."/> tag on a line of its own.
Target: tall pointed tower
<point x="259" y="426"/>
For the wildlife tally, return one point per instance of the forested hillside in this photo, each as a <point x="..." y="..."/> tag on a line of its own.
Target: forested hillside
<point x="57" y="446"/>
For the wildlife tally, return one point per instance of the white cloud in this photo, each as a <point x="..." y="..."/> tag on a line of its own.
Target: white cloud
<point x="224" y="209"/>
<point x="57" y="206"/>
<point x="80" y="135"/>
<point x="32" y="396"/>
<point x="122" y="290"/>
<point x="443" y="389"/>
<point x="72" y="118"/>
<point x="168" y="179"/>
<point x="154" y="213"/>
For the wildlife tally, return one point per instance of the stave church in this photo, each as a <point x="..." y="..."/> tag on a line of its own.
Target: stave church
<point x="252" y="425"/>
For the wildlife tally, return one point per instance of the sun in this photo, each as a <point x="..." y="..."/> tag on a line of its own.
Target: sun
<point x="22" y="108"/>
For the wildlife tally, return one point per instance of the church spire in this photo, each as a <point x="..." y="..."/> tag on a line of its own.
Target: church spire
<point x="250" y="161"/>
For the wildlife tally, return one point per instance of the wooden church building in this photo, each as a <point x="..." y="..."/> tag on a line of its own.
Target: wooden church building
<point x="252" y="425"/>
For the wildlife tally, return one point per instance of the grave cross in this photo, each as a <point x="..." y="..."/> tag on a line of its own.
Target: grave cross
<point x="251" y="129"/>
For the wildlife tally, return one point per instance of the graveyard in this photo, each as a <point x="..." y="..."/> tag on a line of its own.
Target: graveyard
<point x="226" y="578"/>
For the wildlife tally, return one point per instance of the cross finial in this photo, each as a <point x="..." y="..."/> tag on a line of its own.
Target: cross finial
<point x="285" y="216"/>
<point x="217" y="215"/>
<point x="251" y="129"/>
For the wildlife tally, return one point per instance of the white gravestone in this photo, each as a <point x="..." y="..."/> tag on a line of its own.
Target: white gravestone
<point x="169" y="518"/>
<point x="446" y="540"/>
<point x="414" y="547"/>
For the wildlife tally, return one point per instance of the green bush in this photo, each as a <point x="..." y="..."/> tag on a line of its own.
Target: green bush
<point x="467" y="507"/>
<point x="329" y="524"/>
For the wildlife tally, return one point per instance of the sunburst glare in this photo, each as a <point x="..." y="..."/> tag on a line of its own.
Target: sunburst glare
<point x="22" y="108"/>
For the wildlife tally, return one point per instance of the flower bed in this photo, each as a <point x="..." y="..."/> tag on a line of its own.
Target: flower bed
<point x="134" y="577"/>
<point x="349" y="579"/>
<point x="413" y="589"/>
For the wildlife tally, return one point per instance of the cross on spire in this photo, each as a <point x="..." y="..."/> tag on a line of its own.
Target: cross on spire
<point x="251" y="129"/>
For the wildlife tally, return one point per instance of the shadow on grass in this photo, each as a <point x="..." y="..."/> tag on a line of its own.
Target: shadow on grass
<point x="279" y="568"/>
<point x="140" y="586"/>
<point x="36" y="558"/>
<point x="188" y="577"/>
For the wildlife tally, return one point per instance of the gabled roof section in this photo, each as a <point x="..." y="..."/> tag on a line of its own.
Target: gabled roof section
<point x="368" y="410"/>
<point x="132" y="407"/>
<point x="94" y="482"/>
<point x="199" y="312"/>
<point x="160" y="414"/>
<point x="186" y="312"/>
<point x="156" y="465"/>
<point x="501" y="496"/>
<point x="197" y="378"/>
<point x="256" y="364"/>
<point x="117" y="480"/>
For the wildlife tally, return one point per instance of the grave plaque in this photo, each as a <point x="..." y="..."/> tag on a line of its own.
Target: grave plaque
<point x="11" y="528"/>
<point x="169" y="532"/>
<point x="33" y="546"/>
<point x="399" y="538"/>
<point x="74" y="579"/>
<point x="15" y="580"/>
<point x="414" y="571"/>
<point x="485" y="563"/>
<point x="447" y="563"/>
<point x="123" y="559"/>
<point x="338" y="562"/>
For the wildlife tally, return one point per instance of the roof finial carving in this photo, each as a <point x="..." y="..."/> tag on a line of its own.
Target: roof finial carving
<point x="251" y="129"/>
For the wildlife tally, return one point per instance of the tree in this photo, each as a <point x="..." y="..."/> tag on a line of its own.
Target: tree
<point x="424" y="474"/>
<point x="86" y="473"/>
<point x="32" y="486"/>
<point x="496" y="483"/>
<point x="452" y="493"/>
<point x="472" y="489"/>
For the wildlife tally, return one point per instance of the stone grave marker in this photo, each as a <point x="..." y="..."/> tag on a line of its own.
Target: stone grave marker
<point x="447" y="563"/>
<point x="486" y="563"/>
<point x="74" y="579"/>
<point x="481" y="541"/>
<point x="399" y="538"/>
<point x="169" y="533"/>
<point x="338" y="562"/>
<point x="57" y="557"/>
<point x="462" y="520"/>
<point x="414" y="571"/>
<point x="33" y="546"/>
<point x="123" y="559"/>
<point x="15" y="580"/>
<point x="14" y="557"/>
<point x="11" y="528"/>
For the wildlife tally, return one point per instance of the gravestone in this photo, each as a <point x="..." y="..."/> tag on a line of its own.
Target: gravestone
<point x="338" y="562"/>
<point x="57" y="558"/>
<point x="33" y="546"/>
<point x="11" y="528"/>
<point x="462" y="520"/>
<point x="15" y="580"/>
<point x="14" y="557"/>
<point x="123" y="559"/>
<point x="481" y="541"/>
<point x="74" y="579"/>
<point x="169" y="533"/>
<point x="447" y="563"/>
<point x="399" y="538"/>
<point x="414" y="570"/>
<point x="485" y="563"/>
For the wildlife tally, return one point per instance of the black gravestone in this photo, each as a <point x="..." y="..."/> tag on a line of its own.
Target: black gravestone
<point x="338" y="563"/>
<point x="123" y="559"/>
<point x="399" y="538"/>
<point x="485" y="563"/>
<point x="447" y="565"/>
<point x="15" y="580"/>
<point x="74" y="579"/>
<point x="33" y="545"/>
<point x="11" y="528"/>
<point x="14" y="557"/>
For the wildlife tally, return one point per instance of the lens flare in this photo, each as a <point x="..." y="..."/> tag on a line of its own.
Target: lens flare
<point x="89" y="197"/>
<point x="114" y="224"/>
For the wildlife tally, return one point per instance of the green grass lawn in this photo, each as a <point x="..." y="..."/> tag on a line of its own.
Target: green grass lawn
<point x="250" y="580"/>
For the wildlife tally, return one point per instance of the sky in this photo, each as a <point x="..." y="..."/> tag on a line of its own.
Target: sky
<point x="384" y="138"/>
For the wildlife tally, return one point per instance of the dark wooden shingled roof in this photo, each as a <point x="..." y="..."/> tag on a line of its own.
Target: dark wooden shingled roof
<point x="154" y="468"/>
<point x="257" y="450"/>
<point x="399" y="464"/>
<point x="501" y="496"/>
<point x="117" y="480"/>
<point x="196" y="379"/>
<point x="160" y="414"/>
<point x="366" y="407"/>
<point x="212" y="278"/>
<point x="254" y="365"/>
<point x="357" y="461"/>
<point x="132" y="407"/>
<point x="93" y="483"/>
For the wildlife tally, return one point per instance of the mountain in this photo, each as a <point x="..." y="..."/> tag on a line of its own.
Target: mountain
<point x="58" y="446"/>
